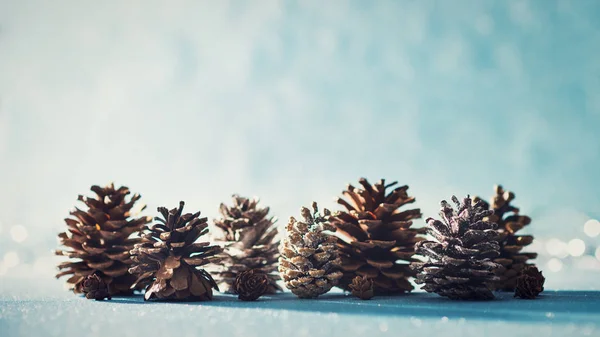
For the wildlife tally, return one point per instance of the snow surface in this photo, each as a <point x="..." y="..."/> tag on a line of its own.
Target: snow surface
<point x="562" y="313"/>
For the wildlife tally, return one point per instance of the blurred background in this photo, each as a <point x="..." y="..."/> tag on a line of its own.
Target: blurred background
<point x="292" y="100"/>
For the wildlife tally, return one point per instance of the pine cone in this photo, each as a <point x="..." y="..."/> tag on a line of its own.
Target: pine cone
<point x="309" y="259"/>
<point x="251" y="284"/>
<point x="459" y="264"/>
<point x="530" y="283"/>
<point x="249" y="239"/>
<point x="99" y="240"/>
<point x="362" y="287"/>
<point x="375" y="238"/>
<point x="509" y="222"/>
<point x="94" y="288"/>
<point x="169" y="257"/>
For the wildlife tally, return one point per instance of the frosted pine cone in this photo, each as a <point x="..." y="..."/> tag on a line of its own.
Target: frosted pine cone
<point x="309" y="261"/>
<point x="459" y="264"/>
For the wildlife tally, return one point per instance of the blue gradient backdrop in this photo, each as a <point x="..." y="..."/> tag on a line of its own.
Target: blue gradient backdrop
<point x="289" y="101"/>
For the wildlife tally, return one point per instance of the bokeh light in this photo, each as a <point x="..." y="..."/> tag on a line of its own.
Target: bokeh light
<point x="18" y="233"/>
<point x="576" y="247"/>
<point x="591" y="228"/>
<point x="11" y="259"/>
<point x="554" y="264"/>
<point x="556" y="247"/>
<point x="587" y="262"/>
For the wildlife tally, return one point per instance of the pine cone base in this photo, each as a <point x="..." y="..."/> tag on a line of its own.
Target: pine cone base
<point x="185" y="284"/>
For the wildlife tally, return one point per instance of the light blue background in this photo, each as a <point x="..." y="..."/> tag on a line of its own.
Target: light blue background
<point x="289" y="101"/>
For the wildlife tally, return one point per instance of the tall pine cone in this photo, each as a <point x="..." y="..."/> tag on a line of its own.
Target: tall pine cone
<point x="249" y="239"/>
<point x="459" y="264"/>
<point x="375" y="238"/>
<point x="509" y="223"/>
<point x="309" y="259"/>
<point x="99" y="240"/>
<point x="169" y="257"/>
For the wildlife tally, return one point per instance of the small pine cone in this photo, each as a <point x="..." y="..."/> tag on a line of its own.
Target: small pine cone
<point x="249" y="240"/>
<point x="94" y="288"/>
<point x="250" y="285"/>
<point x="530" y="283"/>
<point x="459" y="264"/>
<point x="362" y="287"/>
<point x="170" y="258"/>
<point x="511" y="245"/>
<point x="375" y="237"/>
<point x="99" y="240"/>
<point x="309" y="261"/>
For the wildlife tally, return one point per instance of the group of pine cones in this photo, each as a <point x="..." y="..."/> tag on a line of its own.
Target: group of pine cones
<point x="369" y="248"/>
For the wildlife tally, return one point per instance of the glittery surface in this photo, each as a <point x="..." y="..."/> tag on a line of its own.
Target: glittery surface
<point x="562" y="313"/>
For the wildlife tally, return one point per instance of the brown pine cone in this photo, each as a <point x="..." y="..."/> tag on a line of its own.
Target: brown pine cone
<point x="530" y="283"/>
<point x="375" y="236"/>
<point x="249" y="240"/>
<point x="171" y="259"/>
<point x="250" y="285"/>
<point x="98" y="239"/>
<point x="95" y="288"/>
<point x="362" y="287"/>
<point x="510" y="222"/>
